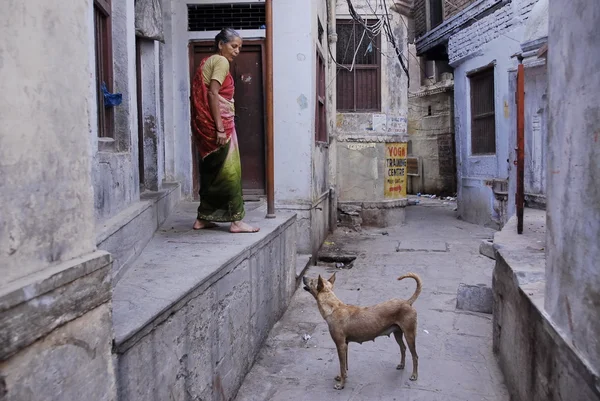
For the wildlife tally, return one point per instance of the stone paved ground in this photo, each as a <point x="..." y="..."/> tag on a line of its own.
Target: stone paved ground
<point x="456" y="362"/>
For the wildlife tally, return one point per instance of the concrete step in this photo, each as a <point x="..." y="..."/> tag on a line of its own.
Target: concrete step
<point x="303" y="261"/>
<point x="486" y="248"/>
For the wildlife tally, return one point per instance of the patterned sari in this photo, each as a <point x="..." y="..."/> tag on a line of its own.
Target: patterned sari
<point x="220" y="169"/>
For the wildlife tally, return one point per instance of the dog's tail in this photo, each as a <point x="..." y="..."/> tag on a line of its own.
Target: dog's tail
<point x="419" y="286"/>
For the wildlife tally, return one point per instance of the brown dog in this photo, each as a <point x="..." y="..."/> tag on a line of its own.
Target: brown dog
<point x="349" y="323"/>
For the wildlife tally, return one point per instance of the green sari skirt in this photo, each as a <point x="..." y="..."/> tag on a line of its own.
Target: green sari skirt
<point x="221" y="184"/>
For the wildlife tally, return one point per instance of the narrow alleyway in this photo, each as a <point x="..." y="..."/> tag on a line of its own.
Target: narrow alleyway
<point x="456" y="362"/>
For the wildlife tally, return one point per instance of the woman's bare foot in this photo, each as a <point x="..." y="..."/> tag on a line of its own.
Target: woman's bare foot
<point x="241" y="227"/>
<point x="201" y="224"/>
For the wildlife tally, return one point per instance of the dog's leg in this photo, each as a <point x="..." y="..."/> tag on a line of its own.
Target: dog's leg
<point x="411" y="340"/>
<point x="342" y="349"/>
<point x="398" y="336"/>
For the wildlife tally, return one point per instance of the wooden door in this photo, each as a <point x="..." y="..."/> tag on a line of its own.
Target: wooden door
<point x="247" y="72"/>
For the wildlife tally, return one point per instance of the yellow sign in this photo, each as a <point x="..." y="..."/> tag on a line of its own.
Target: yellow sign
<point x="395" y="171"/>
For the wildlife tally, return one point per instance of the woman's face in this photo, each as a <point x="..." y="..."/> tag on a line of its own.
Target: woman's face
<point x="231" y="49"/>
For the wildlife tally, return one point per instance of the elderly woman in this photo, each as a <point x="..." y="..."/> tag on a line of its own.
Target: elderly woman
<point x="214" y="129"/>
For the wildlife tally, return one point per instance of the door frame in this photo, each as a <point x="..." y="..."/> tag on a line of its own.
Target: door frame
<point x="248" y="194"/>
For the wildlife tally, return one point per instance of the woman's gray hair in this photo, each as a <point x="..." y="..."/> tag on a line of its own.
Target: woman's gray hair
<point x="226" y="35"/>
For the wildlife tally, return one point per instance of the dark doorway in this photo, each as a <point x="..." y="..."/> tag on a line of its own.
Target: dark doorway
<point x="247" y="72"/>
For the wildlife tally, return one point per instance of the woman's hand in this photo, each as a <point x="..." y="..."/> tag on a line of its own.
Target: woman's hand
<point x="221" y="137"/>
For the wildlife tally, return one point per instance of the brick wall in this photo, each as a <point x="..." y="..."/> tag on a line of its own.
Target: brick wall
<point x="456" y="7"/>
<point x="445" y="144"/>
<point x="485" y="30"/>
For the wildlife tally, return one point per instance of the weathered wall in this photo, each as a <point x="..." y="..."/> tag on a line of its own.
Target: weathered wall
<point x="205" y="343"/>
<point x="538" y="362"/>
<point x="45" y="190"/>
<point x="493" y="39"/>
<point x="153" y="132"/>
<point x="469" y="40"/>
<point x="360" y="148"/>
<point x="294" y="101"/>
<point x="431" y="135"/>
<point x="71" y="363"/>
<point x="451" y="9"/>
<point x="573" y="278"/>
<point x="55" y="326"/>
<point x="115" y="160"/>
<point x="476" y="200"/>
<point x="536" y="132"/>
<point x="122" y="205"/>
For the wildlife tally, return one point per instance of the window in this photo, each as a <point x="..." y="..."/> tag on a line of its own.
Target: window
<point x="436" y="13"/>
<point x="104" y="67"/>
<point x="483" y="116"/>
<point x="321" y="115"/>
<point x="213" y="17"/>
<point x="359" y="89"/>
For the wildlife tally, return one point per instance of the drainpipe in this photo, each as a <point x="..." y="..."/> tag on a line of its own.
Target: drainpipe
<point x="520" y="162"/>
<point x="270" y="129"/>
<point x="331" y="33"/>
<point x="331" y="39"/>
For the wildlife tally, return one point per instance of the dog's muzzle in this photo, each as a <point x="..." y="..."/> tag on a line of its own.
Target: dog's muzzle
<point x="306" y="288"/>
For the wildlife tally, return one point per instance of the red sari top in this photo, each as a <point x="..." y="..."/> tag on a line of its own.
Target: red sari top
<point x="203" y="124"/>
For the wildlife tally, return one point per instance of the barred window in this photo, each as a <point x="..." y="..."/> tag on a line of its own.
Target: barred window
<point x="359" y="89"/>
<point x="104" y="64"/>
<point x="483" y="114"/>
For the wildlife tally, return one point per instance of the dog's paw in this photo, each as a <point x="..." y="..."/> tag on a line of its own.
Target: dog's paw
<point x="400" y="367"/>
<point x="338" y="379"/>
<point x="413" y="378"/>
<point x="338" y="386"/>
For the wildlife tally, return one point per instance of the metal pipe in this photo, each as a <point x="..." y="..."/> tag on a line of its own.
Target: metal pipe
<point x="520" y="195"/>
<point x="270" y="129"/>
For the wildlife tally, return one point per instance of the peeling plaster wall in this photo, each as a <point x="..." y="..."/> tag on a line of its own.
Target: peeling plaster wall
<point x="573" y="249"/>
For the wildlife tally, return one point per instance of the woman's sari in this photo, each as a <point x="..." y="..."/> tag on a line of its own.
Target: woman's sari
<point x="220" y="169"/>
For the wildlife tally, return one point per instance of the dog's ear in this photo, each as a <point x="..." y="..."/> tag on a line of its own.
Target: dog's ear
<point x="320" y="283"/>
<point x="332" y="279"/>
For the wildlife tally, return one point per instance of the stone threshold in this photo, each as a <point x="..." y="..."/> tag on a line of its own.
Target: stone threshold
<point x="178" y="264"/>
<point x="537" y="359"/>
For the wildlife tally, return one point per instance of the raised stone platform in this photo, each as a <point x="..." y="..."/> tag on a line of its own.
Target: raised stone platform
<point x="380" y="214"/>
<point x="538" y="362"/>
<point x="193" y="311"/>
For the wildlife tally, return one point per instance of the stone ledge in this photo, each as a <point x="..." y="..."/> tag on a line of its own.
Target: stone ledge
<point x="383" y="204"/>
<point x="538" y="361"/>
<point x="180" y="263"/>
<point x="35" y="305"/>
<point x="126" y="234"/>
<point x="192" y="314"/>
<point x="381" y="214"/>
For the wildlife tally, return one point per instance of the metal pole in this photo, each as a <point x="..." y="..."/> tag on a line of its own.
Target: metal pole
<point x="270" y="140"/>
<point x="520" y="196"/>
